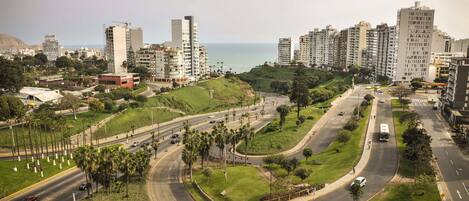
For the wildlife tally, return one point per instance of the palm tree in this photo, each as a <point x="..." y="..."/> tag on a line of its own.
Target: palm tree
<point x="84" y="157"/>
<point x="356" y="191"/>
<point x="233" y="140"/>
<point x="246" y="133"/>
<point x="154" y="145"/>
<point x="191" y="148"/>
<point x="142" y="162"/>
<point x="127" y="166"/>
<point x="205" y="142"/>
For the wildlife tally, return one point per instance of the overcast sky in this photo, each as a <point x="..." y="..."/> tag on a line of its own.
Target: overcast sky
<point x="80" y="22"/>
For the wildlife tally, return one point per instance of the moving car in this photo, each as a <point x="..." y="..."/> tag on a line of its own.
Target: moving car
<point x="212" y="121"/>
<point x="31" y="198"/>
<point x="211" y="116"/>
<point x="135" y="144"/>
<point x="175" y="141"/>
<point x="381" y="101"/>
<point x="175" y="136"/>
<point x="360" y="181"/>
<point x="341" y="113"/>
<point x="84" y="186"/>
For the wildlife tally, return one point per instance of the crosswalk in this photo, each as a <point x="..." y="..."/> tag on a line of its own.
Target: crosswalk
<point x="419" y="102"/>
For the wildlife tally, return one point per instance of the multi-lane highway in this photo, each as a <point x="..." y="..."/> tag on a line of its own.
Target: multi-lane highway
<point x="454" y="167"/>
<point x="382" y="164"/>
<point x="65" y="187"/>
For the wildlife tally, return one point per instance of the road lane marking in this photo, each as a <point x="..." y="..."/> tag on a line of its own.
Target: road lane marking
<point x="446" y="152"/>
<point x="459" y="194"/>
<point x="451" y="161"/>
<point x="457" y="172"/>
<point x="465" y="188"/>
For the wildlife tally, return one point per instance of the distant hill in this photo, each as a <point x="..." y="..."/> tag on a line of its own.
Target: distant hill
<point x="8" y="42"/>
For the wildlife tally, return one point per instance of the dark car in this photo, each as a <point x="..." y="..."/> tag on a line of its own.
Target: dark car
<point x="212" y="121"/>
<point x="175" y="136"/>
<point x="84" y="186"/>
<point x="146" y="144"/>
<point x="341" y="113"/>
<point x="31" y="198"/>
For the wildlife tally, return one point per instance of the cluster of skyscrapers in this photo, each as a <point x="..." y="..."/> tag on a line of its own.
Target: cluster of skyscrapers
<point x="182" y="59"/>
<point x="401" y="52"/>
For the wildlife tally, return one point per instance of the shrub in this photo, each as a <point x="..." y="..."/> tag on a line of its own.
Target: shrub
<point x="108" y="105"/>
<point x="141" y="98"/>
<point x="277" y="159"/>
<point x="343" y="136"/>
<point x="100" y="88"/>
<point x="271" y="128"/>
<point x="310" y="117"/>
<point x="351" y="124"/>
<point x="369" y="97"/>
<point x="123" y="106"/>
<point x="207" y="172"/>
<point x="302" y="119"/>
<point x="135" y="104"/>
<point x="302" y="173"/>
<point x="281" y="173"/>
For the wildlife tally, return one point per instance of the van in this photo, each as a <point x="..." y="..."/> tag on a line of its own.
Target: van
<point x="435" y="106"/>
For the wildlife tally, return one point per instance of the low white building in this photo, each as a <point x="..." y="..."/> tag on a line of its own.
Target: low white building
<point x="34" y="96"/>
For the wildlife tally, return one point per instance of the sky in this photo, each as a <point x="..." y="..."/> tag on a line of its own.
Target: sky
<point x="219" y="21"/>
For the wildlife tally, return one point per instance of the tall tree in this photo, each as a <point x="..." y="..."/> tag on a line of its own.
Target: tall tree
<point x="41" y="59"/>
<point x="11" y="76"/>
<point x="401" y="92"/>
<point x="63" y="62"/>
<point x="246" y="133"/>
<point x="283" y="110"/>
<point x="71" y="102"/>
<point x="191" y="146"/>
<point x="206" y="141"/>
<point x="300" y="93"/>
<point x="356" y="191"/>
<point x="127" y="166"/>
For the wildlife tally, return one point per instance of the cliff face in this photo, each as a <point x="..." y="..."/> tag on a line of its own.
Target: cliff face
<point x="8" y="42"/>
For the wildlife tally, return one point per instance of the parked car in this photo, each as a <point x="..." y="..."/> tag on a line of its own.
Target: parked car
<point x="146" y="144"/>
<point x="341" y="113"/>
<point x="84" y="186"/>
<point x="212" y="121"/>
<point x="211" y="116"/>
<point x="381" y="101"/>
<point x="359" y="180"/>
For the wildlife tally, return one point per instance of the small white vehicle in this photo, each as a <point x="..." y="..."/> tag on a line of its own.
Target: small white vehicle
<point x="211" y="116"/>
<point x="135" y="144"/>
<point x="359" y="180"/>
<point x="381" y="101"/>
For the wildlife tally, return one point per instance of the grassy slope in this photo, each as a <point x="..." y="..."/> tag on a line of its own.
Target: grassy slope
<point x="191" y="100"/>
<point x="75" y="126"/>
<point x="11" y="182"/>
<point x="273" y="142"/>
<point x="261" y="77"/>
<point x="334" y="165"/>
<point x="244" y="183"/>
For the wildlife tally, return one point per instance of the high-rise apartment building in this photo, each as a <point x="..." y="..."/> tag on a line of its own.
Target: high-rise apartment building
<point x="321" y="48"/>
<point x="370" y="54"/>
<point x="460" y="45"/>
<point x="165" y="64"/>
<point x="305" y="49"/>
<point x="441" y="41"/>
<point x="203" y="61"/>
<point x="50" y="47"/>
<point x="285" y="51"/>
<point x="386" y="50"/>
<point x="134" y="43"/>
<point x="184" y="37"/>
<point x="415" y="28"/>
<point x="351" y="43"/>
<point x="116" y="48"/>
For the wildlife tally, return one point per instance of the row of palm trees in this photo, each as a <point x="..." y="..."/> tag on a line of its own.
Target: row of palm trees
<point x="198" y="144"/>
<point x="105" y="165"/>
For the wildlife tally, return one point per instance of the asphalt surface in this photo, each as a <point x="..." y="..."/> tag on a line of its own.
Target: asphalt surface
<point x="64" y="187"/>
<point x="453" y="166"/>
<point x="383" y="160"/>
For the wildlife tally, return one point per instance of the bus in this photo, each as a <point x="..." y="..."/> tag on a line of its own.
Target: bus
<point x="383" y="133"/>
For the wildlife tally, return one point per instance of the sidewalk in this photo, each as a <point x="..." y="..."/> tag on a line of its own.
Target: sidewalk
<point x="318" y="125"/>
<point x="348" y="178"/>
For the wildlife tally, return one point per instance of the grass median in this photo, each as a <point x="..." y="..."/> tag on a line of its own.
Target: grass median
<point x="271" y="141"/>
<point x="11" y="181"/>
<point x="243" y="183"/>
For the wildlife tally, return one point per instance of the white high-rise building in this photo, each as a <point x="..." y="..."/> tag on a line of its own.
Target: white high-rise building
<point x="184" y="37"/>
<point x="203" y="61"/>
<point x="415" y="28"/>
<point x="441" y="41"/>
<point x="305" y="49"/>
<point x="320" y="43"/>
<point x="116" y="48"/>
<point x="350" y="45"/>
<point x="285" y="51"/>
<point x="50" y="47"/>
<point x="386" y="50"/>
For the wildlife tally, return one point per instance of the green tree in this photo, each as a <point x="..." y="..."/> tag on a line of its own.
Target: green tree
<point x="71" y="102"/>
<point x="11" y="76"/>
<point x="300" y="93"/>
<point x="96" y="105"/>
<point x="84" y="157"/>
<point x="283" y="110"/>
<point x="416" y="83"/>
<point x="142" y="162"/>
<point x="246" y="133"/>
<point x="356" y="191"/>
<point x="63" y="62"/>
<point x="127" y="166"/>
<point x="205" y="142"/>
<point x="154" y="145"/>
<point x="191" y="147"/>
<point x="302" y="173"/>
<point x="343" y="136"/>
<point x="307" y="152"/>
<point x="41" y="59"/>
<point x="401" y="92"/>
<point x="143" y="72"/>
<point x="11" y="108"/>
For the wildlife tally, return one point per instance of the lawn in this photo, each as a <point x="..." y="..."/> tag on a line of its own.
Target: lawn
<point x="212" y="95"/>
<point x="271" y="142"/>
<point x="244" y="183"/>
<point x="11" y="181"/>
<point x="406" y="192"/>
<point x="138" y="117"/>
<point x="329" y="165"/>
<point x="137" y="192"/>
<point x="397" y="105"/>
<point x="72" y="126"/>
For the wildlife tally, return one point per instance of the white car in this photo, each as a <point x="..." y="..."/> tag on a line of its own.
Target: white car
<point x="360" y="180"/>
<point x="135" y="144"/>
<point x="381" y="101"/>
<point x="211" y="116"/>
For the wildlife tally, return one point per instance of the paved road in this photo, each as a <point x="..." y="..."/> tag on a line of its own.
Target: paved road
<point x="383" y="160"/>
<point x="165" y="177"/>
<point x="64" y="187"/>
<point x="453" y="166"/>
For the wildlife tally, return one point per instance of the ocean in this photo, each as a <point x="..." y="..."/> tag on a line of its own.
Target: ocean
<point x="240" y="57"/>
